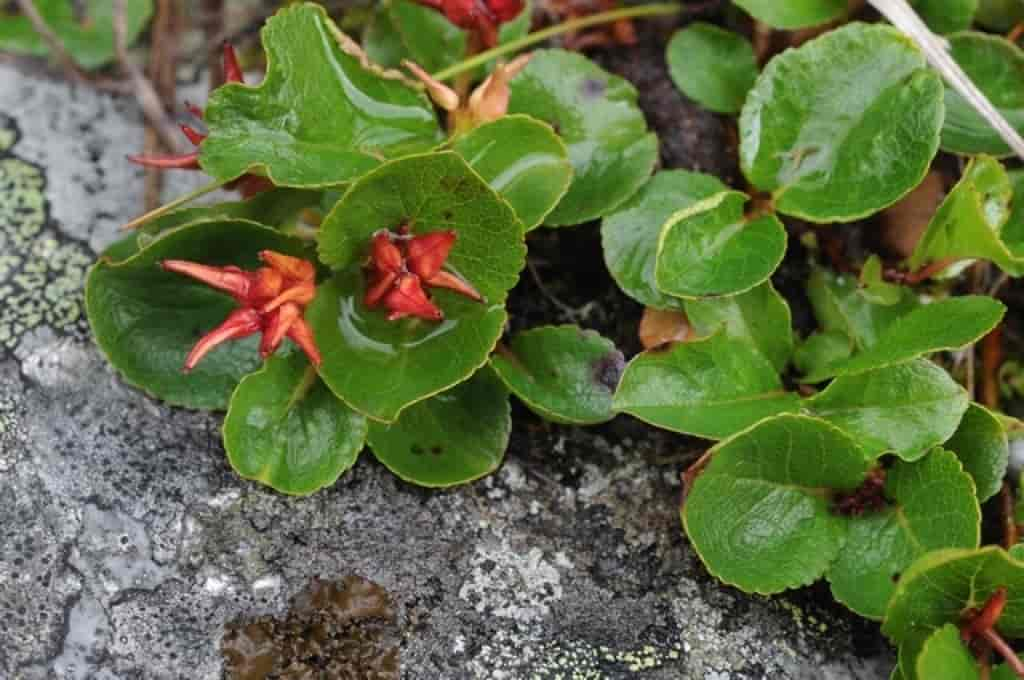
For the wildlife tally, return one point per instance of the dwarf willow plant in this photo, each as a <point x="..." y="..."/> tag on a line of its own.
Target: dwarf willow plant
<point x="848" y="454"/>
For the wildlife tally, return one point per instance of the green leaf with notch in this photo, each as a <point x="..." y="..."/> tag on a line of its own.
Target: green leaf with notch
<point x="712" y="248"/>
<point x="905" y="409"/>
<point x="562" y="373"/>
<point x="523" y="160"/>
<point x="997" y="67"/>
<point x="843" y="126"/>
<point x="629" y="236"/>
<point x="945" y="657"/>
<point x="709" y="388"/>
<point x="759" y="514"/>
<point x="596" y="114"/>
<point x="938" y="587"/>
<point x="712" y="66"/>
<point x="89" y="39"/>
<point x="360" y="114"/>
<point x="285" y="429"/>
<point x="379" y="367"/>
<point x="792" y="14"/>
<point x="452" y="438"/>
<point x="982" y="446"/>
<point x="931" y="505"/>
<point x="146" y="320"/>
<point x="944" y="325"/>
<point x="759" y="317"/>
<point x="968" y="223"/>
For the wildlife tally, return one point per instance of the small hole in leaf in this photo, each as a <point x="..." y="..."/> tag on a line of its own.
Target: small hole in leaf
<point x="592" y="88"/>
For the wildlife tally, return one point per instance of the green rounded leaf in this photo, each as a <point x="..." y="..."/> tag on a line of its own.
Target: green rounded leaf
<point x="146" y="320"/>
<point x="1000" y="15"/>
<point x="452" y="438"/>
<point x="709" y="388"/>
<point x="595" y="113"/>
<point x="562" y="373"/>
<point x="944" y="657"/>
<point x="997" y="67"/>
<point x="968" y="223"/>
<point x="712" y="66"/>
<point x="285" y="429"/>
<point x="629" y="236"/>
<point x="381" y="40"/>
<point x="523" y="160"/>
<point x="759" y="514"/>
<point x="791" y="14"/>
<point x="712" y="248"/>
<point x="1013" y="231"/>
<point x="358" y="115"/>
<point x="946" y="16"/>
<point x="379" y="367"/>
<point x="982" y="446"/>
<point x="760" y="317"/>
<point x="844" y="307"/>
<point x="931" y="505"/>
<point x="939" y="586"/>
<point x="944" y="325"/>
<point x="906" y="409"/>
<point x="89" y="39"/>
<point x="843" y="126"/>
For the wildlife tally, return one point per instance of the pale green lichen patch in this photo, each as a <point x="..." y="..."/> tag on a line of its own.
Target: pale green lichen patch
<point x="41" y="275"/>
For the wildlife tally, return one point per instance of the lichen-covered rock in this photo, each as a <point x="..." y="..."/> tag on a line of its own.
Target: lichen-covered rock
<point x="128" y="547"/>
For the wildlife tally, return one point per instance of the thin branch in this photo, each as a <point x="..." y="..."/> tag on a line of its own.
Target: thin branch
<point x="145" y="93"/>
<point x="1005" y="651"/>
<point x="935" y="49"/>
<point x="57" y="49"/>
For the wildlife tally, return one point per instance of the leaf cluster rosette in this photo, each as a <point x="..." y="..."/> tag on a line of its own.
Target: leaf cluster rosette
<point x="385" y="337"/>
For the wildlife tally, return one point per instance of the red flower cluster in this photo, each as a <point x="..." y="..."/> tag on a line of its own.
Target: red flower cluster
<point x="271" y="301"/>
<point x="399" y="272"/>
<point x="249" y="185"/>
<point x="481" y="17"/>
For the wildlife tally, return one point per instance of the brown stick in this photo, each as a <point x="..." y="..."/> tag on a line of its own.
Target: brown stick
<point x="145" y="93"/>
<point x="212" y="19"/>
<point x="1011" y="532"/>
<point x="991" y="361"/>
<point x="57" y="49"/>
<point x="163" y="56"/>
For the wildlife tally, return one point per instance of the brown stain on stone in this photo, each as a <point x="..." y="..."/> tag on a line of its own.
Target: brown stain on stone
<point x="335" y="630"/>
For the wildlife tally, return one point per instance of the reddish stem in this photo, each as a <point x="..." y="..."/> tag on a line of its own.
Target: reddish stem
<point x="984" y="620"/>
<point x="1010" y="656"/>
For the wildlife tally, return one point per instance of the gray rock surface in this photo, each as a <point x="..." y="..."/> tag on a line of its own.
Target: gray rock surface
<point x="127" y="544"/>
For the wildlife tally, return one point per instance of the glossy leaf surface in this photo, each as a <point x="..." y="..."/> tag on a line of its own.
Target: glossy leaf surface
<point x="378" y="366"/>
<point x="997" y="67"/>
<point x="562" y="373"/>
<point x="146" y="320"/>
<point x="595" y="114"/>
<point x="947" y="324"/>
<point x="794" y="13"/>
<point x="945" y="657"/>
<point x="712" y="248"/>
<point x="452" y="438"/>
<point x="931" y="505"/>
<point x="712" y="66"/>
<point x="905" y="409"/>
<point x="757" y="515"/>
<point x="844" y="125"/>
<point x="939" y="586"/>
<point x="629" y="236"/>
<point x="709" y="388"/>
<point x="759" y="316"/>
<point x="523" y="160"/>
<point x="358" y="115"/>
<point x="285" y="429"/>
<point x="982" y="446"/>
